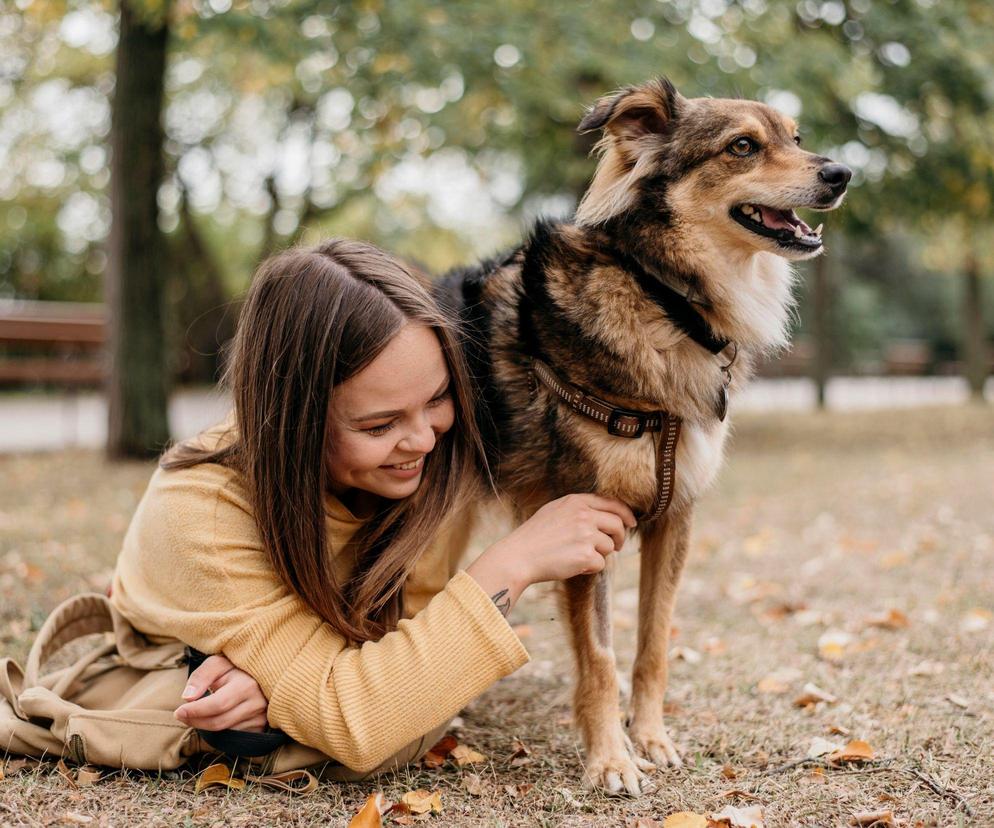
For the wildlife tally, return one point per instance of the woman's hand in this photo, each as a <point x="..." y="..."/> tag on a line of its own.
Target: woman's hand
<point x="235" y="701"/>
<point x="566" y="537"/>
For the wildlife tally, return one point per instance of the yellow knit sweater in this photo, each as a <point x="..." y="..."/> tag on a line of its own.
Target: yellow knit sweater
<point x="193" y="568"/>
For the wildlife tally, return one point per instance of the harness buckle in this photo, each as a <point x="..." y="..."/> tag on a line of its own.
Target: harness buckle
<point x="621" y="422"/>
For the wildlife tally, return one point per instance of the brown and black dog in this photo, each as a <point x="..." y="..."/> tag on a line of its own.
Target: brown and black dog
<point x="674" y="266"/>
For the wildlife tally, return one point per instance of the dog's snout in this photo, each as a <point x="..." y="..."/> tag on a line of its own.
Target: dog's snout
<point x="835" y="176"/>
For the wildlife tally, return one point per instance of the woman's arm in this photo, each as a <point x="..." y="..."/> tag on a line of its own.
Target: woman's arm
<point x="193" y="568"/>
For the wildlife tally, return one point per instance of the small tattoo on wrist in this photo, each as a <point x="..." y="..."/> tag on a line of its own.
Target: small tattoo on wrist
<point x="502" y="601"/>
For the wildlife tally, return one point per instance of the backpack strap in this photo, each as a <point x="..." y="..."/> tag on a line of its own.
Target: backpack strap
<point x="236" y="742"/>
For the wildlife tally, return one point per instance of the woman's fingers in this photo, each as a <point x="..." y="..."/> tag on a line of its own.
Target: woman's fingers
<point x="612" y="526"/>
<point x="233" y="719"/>
<point x="204" y="677"/>
<point x="610" y="504"/>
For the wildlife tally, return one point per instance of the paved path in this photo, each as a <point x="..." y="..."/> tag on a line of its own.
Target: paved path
<point x="44" y="422"/>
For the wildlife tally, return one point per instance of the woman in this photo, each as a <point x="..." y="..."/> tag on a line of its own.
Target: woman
<point x="303" y="539"/>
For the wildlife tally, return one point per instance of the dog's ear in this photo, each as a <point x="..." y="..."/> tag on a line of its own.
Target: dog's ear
<point x="635" y="110"/>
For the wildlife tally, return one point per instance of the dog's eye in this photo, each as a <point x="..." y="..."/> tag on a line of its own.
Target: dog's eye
<point x="743" y="146"/>
<point x="797" y="140"/>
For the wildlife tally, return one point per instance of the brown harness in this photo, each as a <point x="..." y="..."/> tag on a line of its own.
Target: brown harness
<point x="623" y="422"/>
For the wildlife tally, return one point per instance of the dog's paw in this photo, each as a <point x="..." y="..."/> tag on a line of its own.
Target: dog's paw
<point x="618" y="774"/>
<point x="655" y="744"/>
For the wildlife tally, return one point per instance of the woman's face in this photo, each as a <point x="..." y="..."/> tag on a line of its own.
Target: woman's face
<point x="385" y="420"/>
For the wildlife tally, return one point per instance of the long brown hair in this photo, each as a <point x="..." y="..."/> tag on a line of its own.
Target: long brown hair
<point x="314" y="317"/>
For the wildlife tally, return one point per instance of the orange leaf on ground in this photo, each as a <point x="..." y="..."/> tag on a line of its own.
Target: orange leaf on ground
<point x="421" y="801"/>
<point x="856" y="751"/>
<point x="517" y="791"/>
<point x="371" y="813"/>
<point x="868" y="819"/>
<point x="778" y="681"/>
<point x="685" y="819"/>
<point x="892" y="619"/>
<point x="87" y="775"/>
<point x="465" y="755"/>
<point x="219" y="774"/>
<point x="811" y="695"/>
<point x="436" y="755"/>
<point x="732" y="817"/>
<point x="833" y="644"/>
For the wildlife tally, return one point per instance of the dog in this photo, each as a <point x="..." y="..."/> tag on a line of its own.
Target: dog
<point x="605" y="349"/>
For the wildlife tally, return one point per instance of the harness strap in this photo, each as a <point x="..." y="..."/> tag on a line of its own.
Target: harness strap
<point x="624" y="422"/>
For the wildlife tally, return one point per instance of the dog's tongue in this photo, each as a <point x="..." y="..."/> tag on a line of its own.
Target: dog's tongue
<point x="782" y="219"/>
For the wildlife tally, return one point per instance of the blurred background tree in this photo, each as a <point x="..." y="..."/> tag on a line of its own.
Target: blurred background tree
<point x="439" y="130"/>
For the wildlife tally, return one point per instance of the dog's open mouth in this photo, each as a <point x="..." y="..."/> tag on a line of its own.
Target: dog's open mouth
<point x="783" y="226"/>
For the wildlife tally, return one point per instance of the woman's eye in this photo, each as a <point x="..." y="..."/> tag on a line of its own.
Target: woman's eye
<point x="376" y="431"/>
<point x="441" y="397"/>
<point x="742" y="146"/>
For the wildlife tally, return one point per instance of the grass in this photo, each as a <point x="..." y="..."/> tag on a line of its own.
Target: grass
<point x="818" y="523"/>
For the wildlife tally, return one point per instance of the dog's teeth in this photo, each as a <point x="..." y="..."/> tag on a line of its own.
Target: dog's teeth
<point x="747" y="209"/>
<point x="797" y="231"/>
<point x="818" y="229"/>
<point x="757" y="217"/>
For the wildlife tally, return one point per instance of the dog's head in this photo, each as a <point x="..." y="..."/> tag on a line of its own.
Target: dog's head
<point x="731" y="169"/>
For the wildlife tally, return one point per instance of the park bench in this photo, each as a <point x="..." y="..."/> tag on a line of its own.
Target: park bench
<point x="54" y="343"/>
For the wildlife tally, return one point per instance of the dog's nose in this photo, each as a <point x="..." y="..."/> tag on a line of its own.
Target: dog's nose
<point x="835" y="176"/>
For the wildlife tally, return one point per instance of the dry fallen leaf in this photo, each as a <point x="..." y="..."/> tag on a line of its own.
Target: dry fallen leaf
<point x="464" y="755"/>
<point x="778" y="681"/>
<point x="473" y="784"/>
<point x="811" y="695"/>
<point x="371" y="813"/>
<point x="892" y="619"/>
<point x="866" y="819"/>
<point x="685" y="819"/>
<point x="71" y="818"/>
<point x="733" y="817"/>
<point x="88" y="775"/>
<point x="822" y="747"/>
<point x="66" y="774"/>
<point x="976" y="620"/>
<point x="927" y="668"/>
<point x="832" y="645"/>
<point x="728" y="772"/>
<point x="421" y="801"/>
<point x="644" y="822"/>
<point x="958" y="700"/>
<point x="856" y="751"/>
<point x="517" y="791"/>
<point x="437" y="754"/>
<point x="740" y="794"/>
<point x="815" y="777"/>
<point x="521" y="755"/>
<point x="687" y="654"/>
<point x="219" y="774"/>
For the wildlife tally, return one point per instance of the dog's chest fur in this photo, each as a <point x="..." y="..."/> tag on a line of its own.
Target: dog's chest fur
<point x="560" y="298"/>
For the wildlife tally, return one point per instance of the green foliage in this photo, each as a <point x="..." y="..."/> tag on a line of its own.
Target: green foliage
<point x="435" y="129"/>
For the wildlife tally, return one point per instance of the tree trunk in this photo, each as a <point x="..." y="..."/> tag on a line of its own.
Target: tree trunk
<point x="821" y="366"/>
<point x="138" y="383"/>
<point x="974" y="344"/>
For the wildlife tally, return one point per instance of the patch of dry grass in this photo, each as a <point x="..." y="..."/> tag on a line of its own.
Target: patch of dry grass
<point x="818" y="523"/>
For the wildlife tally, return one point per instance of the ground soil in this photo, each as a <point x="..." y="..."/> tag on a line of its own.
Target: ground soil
<point x="851" y="551"/>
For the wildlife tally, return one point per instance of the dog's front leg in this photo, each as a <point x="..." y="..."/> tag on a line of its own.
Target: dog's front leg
<point x="611" y="761"/>
<point x="664" y="550"/>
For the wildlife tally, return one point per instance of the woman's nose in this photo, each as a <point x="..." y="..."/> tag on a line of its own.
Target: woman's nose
<point x="420" y="440"/>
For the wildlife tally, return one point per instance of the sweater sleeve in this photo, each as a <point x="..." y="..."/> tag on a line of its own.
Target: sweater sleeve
<point x="193" y="568"/>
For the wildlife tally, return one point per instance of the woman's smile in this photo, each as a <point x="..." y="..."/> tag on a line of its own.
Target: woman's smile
<point x="406" y="470"/>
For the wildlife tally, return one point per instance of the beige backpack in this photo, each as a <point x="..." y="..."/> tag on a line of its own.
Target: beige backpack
<point x="114" y="704"/>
